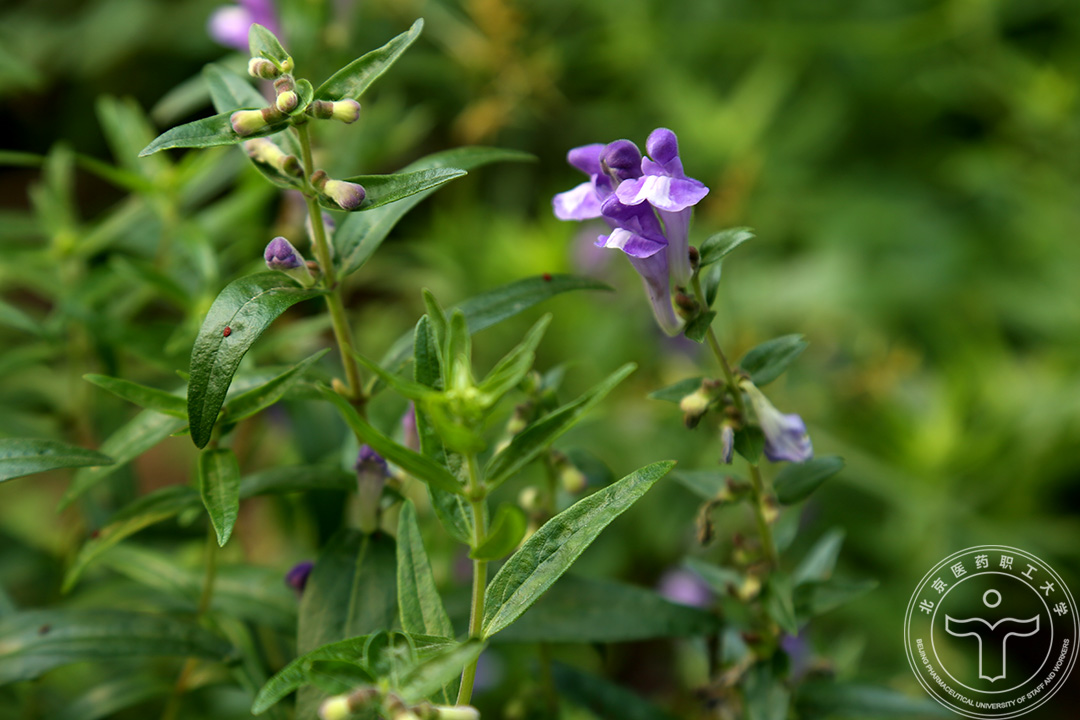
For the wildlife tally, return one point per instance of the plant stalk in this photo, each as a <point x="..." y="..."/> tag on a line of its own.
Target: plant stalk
<point x="479" y="585"/>
<point x="334" y="302"/>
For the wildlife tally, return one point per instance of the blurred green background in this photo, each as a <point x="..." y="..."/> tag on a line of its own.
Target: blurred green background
<point x="911" y="170"/>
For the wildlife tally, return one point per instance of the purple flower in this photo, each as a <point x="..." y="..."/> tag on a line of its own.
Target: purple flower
<point x="667" y="188"/>
<point x="620" y="181"/>
<point x="297" y="577"/>
<point x="785" y="435"/>
<point x="727" y="443"/>
<point x="410" y="434"/>
<point x="280" y="255"/>
<point x="229" y="24"/>
<point x="686" y="588"/>
<point x="637" y="232"/>
<point x="372" y="473"/>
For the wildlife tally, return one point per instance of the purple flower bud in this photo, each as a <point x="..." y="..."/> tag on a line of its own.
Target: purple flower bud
<point x="686" y="588"/>
<point x="281" y="255"/>
<point x="297" y="577"/>
<point x="372" y="473"/>
<point x="785" y="435"/>
<point x="346" y="194"/>
<point x="621" y="160"/>
<point x="410" y="435"/>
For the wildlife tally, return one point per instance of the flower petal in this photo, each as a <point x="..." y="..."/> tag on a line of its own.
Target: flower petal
<point x="581" y="203"/>
<point x="670" y="194"/>
<point x="631" y="243"/>
<point x="586" y="158"/>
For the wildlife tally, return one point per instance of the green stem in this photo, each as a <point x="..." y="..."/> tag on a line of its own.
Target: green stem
<point x="172" y="707"/>
<point x="758" y="488"/>
<point x="476" y="491"/>
<point x="342" y="331"/>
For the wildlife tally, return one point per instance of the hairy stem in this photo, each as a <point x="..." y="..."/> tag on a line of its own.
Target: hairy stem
<point x="758" y="488"/>
<point x="342" y="331"/>
<point x="476" y="493"/>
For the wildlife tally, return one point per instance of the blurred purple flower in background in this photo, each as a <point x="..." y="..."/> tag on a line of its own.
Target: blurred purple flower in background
<point x="686" y="588"/>
<point x="229" y="24"/>
<point x="297" y="577"/>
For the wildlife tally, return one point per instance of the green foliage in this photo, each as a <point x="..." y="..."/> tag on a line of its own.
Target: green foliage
<point x="353" y="79"/>
<point x="419" y="603"/>
<point x="771" y="359"/>
<point x="554" y="547"/>
<point x="797" y="480"/>
<point x="19" y="457"/>
<point x="219" y="486"/>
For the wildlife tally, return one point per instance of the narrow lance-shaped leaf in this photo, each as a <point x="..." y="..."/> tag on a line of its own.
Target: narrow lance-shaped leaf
<point x="531" y="441"/>
<point x="263" y="396"/>
<point x="509" y="371"/>
<point x="131" y="440"/>
<point x="239" y="315"/>
<point x="352" y="80"/>
<point x="142" y="395"/>
<point x="553" y="548"/>
<point x="430" y="676"/>
<point x="415" y="464"/>
<point x="820" y="560"/>
<point x="263" y="43"/>
<point x="770" y="359"/>
<point x="219" y="486"/>
<point x="36" y="641"/>
<point x="419" y="603"/>
<point x="361" y="234"/>
<point x="382" y="190"/>
<point x="798" y="480"/>
<point x="26" y="456"/>
<point x="149" y="509"/>
<point x="298" y="672"/>
<point x="719" y="245"/>
<point x="209" y="132"/>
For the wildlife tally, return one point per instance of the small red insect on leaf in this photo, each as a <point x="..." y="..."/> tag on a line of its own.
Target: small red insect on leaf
<point x="547" y="277"/>
<point x="226" y="332"/>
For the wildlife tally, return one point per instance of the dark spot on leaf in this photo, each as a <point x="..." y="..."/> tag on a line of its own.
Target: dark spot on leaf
<point x="547" y="277"/>
<point x="226" y="332"/>
<point x="94" y="534"/>
<point x="44" y="629"/>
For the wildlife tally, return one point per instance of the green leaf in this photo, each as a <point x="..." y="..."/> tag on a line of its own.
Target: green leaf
<point x="382" y="190"/>
<point x="697" y="328"/>
<point x="298" y="672"/>
<point x="352" y="591"/>
<point x="676" y="392"/>
<point x="361" y="234"/>
<point x="246" y="306"/>
<point x="263" y="43"/>
<point x="506" y="531"/>
<point x="816" y="598"/>
<point x="229" y="91"/>
<point x="15" y="318"/>
<point x="458" y="346"/>
<point x="554" y="547"/>
<point x="108" y="698"/>
<point x="797" y="480"/>
<point x="719" y="245"/>
<point x="147" y="510"/>
<point x="706" y="484"/>
<point x="531" y="441"/>
<point x="131" y="440"/>
<point x="779" y="604"/>
<point x="352" y="80"/>
<point x="829" y="699"/>
<point x="420" y="467"/>
<point x="263" y="396"/>
<point x="402" y="386"/>
<point x="36" y="641"/>
<point x="603" y="698"/>
<point x="515" y="365"/>
<point x="419" y="603"/>
<point x="722" y="580"/>
<point x="427" y="367"/>
<point x="26" y="456"/>
<point x="145" y="397"/>
<point x="767" y="698"/>
<point x="219" y="486"/>
<point x="433" y="674"/>
<point x="580" y="609"/>
<point x="820" y="560"/>
<point x="710" y="282"/>
<point x="770" y="359"/>
<point x="207" y="132"/>
<point x="301" y="478"/>
<point x="749" y="443"/>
